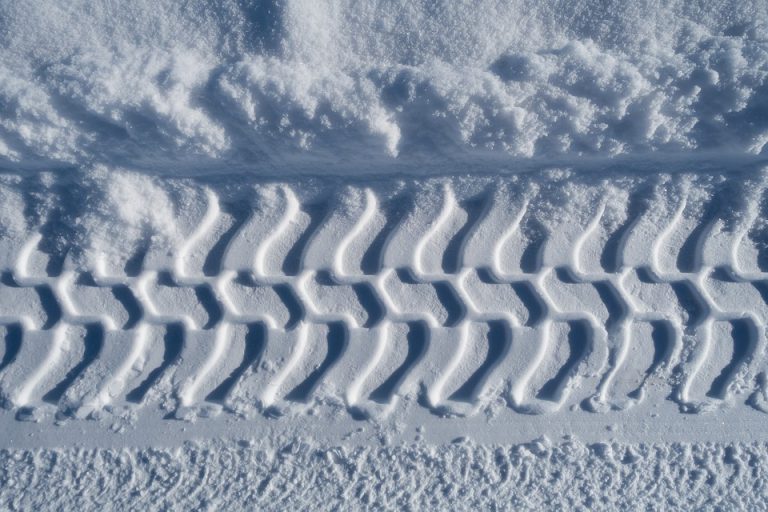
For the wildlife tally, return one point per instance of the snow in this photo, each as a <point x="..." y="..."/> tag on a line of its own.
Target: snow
<point x="461" y="476"/>
<point x="408" y="254"/>
<point x="260" y="84"/>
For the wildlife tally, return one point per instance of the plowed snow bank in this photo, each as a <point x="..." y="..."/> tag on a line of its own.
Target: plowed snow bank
<point x="258" y="83"/>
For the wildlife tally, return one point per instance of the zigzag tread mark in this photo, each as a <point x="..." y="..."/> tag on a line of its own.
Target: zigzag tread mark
<point x="422" y="314"/>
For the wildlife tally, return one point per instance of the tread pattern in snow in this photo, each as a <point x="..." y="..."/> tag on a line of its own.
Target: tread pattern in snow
<point x="365" y="301"/>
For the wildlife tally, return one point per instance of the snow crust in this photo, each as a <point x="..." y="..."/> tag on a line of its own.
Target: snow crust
<point x="256" y="83"/>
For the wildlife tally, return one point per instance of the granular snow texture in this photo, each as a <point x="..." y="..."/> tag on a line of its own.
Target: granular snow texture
<point x="264" y="84"/>
<point x="299" y="475"/>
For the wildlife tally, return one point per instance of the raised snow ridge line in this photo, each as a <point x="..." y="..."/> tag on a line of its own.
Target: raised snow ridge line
<point x="545" y="292"/>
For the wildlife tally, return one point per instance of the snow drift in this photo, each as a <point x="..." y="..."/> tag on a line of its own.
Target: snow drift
<point x="254" y="83"/>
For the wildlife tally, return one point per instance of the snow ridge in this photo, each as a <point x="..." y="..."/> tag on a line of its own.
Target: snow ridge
<point x="264" y="84"/>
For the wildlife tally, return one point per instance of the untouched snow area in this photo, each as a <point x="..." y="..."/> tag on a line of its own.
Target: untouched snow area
<point x="391" y="255"/>
<point x="172" y="85"/>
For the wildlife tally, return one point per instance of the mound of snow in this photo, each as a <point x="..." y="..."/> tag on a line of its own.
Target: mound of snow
<point x="259" y="82"/>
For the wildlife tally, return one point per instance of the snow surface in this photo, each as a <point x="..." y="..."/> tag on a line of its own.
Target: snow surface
<point x="264" y="83"/>
<point x="539" y="475"/>
<point x="586" y="177"/>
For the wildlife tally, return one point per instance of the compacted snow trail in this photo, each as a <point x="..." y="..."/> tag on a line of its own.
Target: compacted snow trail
<point x="611" y="323"/>
<point x="543" y="292"/>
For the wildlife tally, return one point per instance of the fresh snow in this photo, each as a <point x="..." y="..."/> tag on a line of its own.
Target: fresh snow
<point x="164" y="85"/>
<point x="391" y="255"/>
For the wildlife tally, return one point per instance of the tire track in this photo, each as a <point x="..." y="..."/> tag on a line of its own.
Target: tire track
<point x="491" y="295"/>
